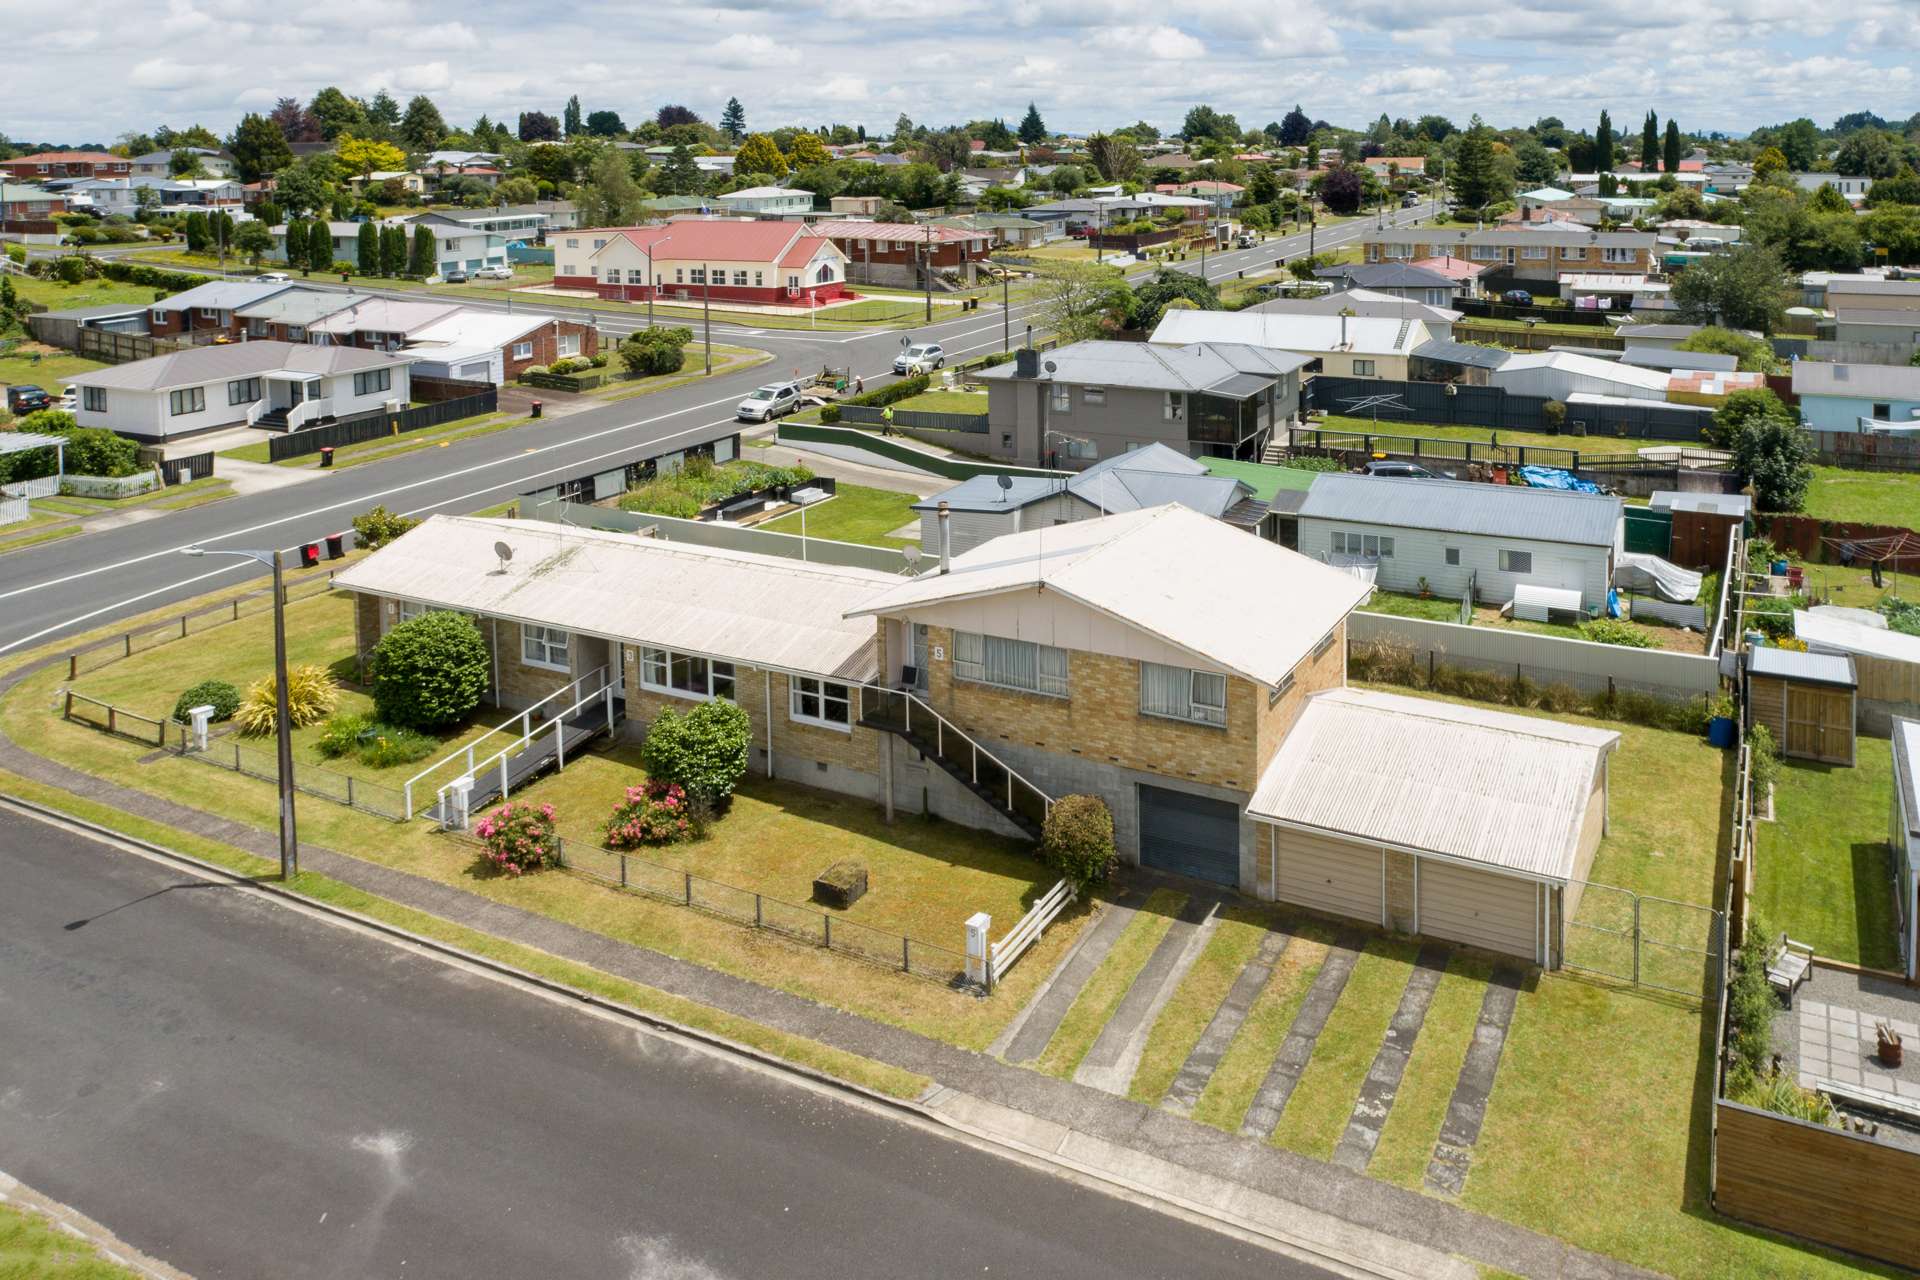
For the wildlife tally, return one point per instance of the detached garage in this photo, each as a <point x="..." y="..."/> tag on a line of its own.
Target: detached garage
<point x="1452" y="822"/>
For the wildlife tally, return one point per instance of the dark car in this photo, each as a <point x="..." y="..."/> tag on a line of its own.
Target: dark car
<point x="1517" y="298"/>
<point x="1401" y="471"/>
<point x="24" y="397"/>
<point x="454" y="275"/>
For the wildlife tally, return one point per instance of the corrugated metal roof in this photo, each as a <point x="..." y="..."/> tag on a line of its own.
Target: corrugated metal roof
<point x="1222" y="368"/>
<point x="1809" y="667"/>
<point x="300" y="306"/>
<point x="1241" y="603"/>
<point x="1467" y="354"/>
<point x="1304" y="334"/>
<point x="221" y="295"/>
<point x="1906" y="769"/>
<point x="1265" y="480"/>
<point x="1368" y="304"/>
<point x="1483" y="787"/>
<point x="386" y="315"/>
<point x="237" y="360"/>
<point x="1825" y="633"/>
<point x="1666" y="358"/>
<point x="1149" y="476"/>
<point x="1458" y="506"/>
<point x="1719" y="504"/>
<point x="763" y="611"/>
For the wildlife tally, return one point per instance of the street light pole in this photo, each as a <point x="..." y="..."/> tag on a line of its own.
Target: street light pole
<point x="1006" y="312"/>
<point x="706" y="317"/>
<point x="926" y="270"/>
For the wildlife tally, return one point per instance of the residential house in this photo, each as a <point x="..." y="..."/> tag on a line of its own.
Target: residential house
<point x="1081" y="403"/>
<point x="1444" y="360"/>
<point x="1463" y="272"/>
<point x="382" y="324"/>
<point x="1854" y="397"/>
<point x="767" y="202"/>
<point x="1365" y="304"/>
<point x="1558" y="375"/>
<point x="1395" y="279"/>
<point x="159" y="164"/>
<point x="459" y="159"/>
<point x="289" y="316"/>
<point x="1903" y="841"/>
<point x="283" y="384"/>
<point x="1340" y="346"/>
<point x="716" y="166"/>
<point x="1610" y="292"/>
<point x="1449" y="534"/>
<point x="1881" y="311"/>
<point x="728" y="261"/>
<point x="43" y="166"/>
<point x="187" y="195"/>
<point x="668" y="207"/>
<point x="435" y="175"/>
<point x="517" y="221"/>
<point x="458" y="246"/>
<point x="412" y="183"/>
<point x="208" y="309"/>
<point x="981" y="508"/>
<point x="101" y="196"/>
<point x="855" y="206"/>
<point x="1221" y="195"/>
<point x="26" y="209"/>
<point x="1853" y="188"/>
<point x="346" y="241"/>
<point x="1008" y="230"/>
<point x="896" y="253"/>
<point x="490" y="346"/>
<point x="1386" y="167"/>
<point x="1529" y="256"/>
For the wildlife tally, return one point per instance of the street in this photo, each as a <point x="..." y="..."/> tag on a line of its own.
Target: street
<point x="74" y="583"/>
<point x="240" y="1089"/>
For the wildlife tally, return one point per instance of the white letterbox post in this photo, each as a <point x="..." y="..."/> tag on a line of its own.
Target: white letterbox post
<point x="201" y="717"/>
<point x="453" y="814"/>
<point x="977" y="956"/>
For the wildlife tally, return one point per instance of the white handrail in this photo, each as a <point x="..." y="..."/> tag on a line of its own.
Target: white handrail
<point x="559" y="725"/>
<point x="1028" y="929"/>
<point x="942" y="724"/>
<point x="526" y="731"/>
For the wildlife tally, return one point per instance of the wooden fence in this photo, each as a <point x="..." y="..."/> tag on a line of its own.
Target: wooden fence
<point x="1839" y="1189"/>
<point x="1867" y="450"/>
<point x="434" y="390"/>
<point x="372" y="426"/>
<point x="119" y="348"/>
<point x="1535" y="339"/>
<point x="1806" y="537"/>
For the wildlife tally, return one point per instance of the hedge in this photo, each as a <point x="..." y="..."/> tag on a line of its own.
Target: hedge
<point x="904" y="389"/>
<point x="149" y="277"/>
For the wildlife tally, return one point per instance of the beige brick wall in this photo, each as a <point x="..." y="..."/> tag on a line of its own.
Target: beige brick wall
<point x="1313" y="675"/>
<point x="1400" y="890"/>
<point x="366" y="629"/>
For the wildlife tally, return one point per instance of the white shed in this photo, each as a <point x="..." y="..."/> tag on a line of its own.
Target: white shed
<point x="1560" y="374"/>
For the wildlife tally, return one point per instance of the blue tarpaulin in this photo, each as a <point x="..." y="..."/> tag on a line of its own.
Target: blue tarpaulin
<point x="1556" y="478"/>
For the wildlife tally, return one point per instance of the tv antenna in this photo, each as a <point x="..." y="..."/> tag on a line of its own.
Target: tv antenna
<point x="505" y="553"/>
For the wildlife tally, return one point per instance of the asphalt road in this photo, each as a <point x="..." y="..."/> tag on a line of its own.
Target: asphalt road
<point x="74" y="583"/>
<point x="239" y="1089"/>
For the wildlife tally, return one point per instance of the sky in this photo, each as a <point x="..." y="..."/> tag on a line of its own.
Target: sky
<point x="1731" y="65"/>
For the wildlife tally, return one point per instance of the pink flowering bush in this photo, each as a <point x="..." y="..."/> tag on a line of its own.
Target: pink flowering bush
<point x="654" y="813"/>
<point x="519" y="838"/>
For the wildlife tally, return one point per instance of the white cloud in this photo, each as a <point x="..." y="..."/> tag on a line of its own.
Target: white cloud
<point x="749" y="50"/>
<point x="1164" y="43"/>
<point x="845" y="89"/>
<point x="1032" y="68"/>
<point x="166" y="73"/>
<point x="442" y="36"/>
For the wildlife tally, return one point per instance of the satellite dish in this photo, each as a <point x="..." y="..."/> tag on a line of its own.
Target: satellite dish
<point x="1052" y="367"/>
<point x="912" y="555"/>
<point x="505" y="553"/>
<point x="1005" y="482"/>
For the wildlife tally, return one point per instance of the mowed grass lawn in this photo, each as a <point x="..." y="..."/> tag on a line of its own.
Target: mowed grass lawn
<point x="1867" y="497"/>
<point x="1235" y="938"/>
<point x="1822" y="870"/>
<point x="945" y="402"/>
<point x="1511" y="440"/>
<point x="31" y="1246"/>
<point x="856" y="513"/>
<point x="1108" y="986"/>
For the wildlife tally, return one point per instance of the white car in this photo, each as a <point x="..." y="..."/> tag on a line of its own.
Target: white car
<point x="69" y="400"/>
<point x="494" y="273"/>
<point x="922" y="357"/>
<point x="769" y="402"/>
<point x="271" y="277"/>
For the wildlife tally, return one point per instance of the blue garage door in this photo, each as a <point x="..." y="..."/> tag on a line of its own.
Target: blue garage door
<point x="1190" y="835"/>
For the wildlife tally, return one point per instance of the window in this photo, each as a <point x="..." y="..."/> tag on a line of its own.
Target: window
<point x="697" y="275"/>
<point x="793" y="282"/>
<point x="740" y="277"/>
<point x="598" y="244"/>
<point x="759" y="278"/>
<point x="1093" y="395"/>
<point x="209" y="313"/>
<point x="1180" y="694"/>
<point x="372" y="381"/>
<point x="1370" y="545"/>
<point x="1363" y="368"/>
<point x="1083" y="449"/>
<point x="820" y="702"/>
<point x="569" y="344"/>
<point x="1619" y="255"/>
<point x="573" y="242"/>
<point x="1326" y="643"/>
<point x="189" y="400"/>
<point x="1516" y="561"/>
<point x="1578" y="254"/>
<point x="157" y="316"/>
<point x="1011" y="664"/>
<point x="1486" y="253"/>
<point x="1174" y="407"/>
<point x="243" y="391"/>
<point x="1062" y="398"/>
<point x="1883" y="412"/>
<point x="523" y="351"/>
<point x="1453" y="555"/>
<point x="543" y="647"/>
<point x="93" y="399"/>
<point x="613" y="275"/>
<point x="684" y="675"/>
<point x="1842" y="373"/>
<point x="1280" y="690"/>
<point x="1534" y="252"/>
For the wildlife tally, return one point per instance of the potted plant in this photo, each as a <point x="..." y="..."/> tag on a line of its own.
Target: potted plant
<point x="1722" y="731"/>
<point x="1887" y="1041"/>
<point x="1426" y="589"/>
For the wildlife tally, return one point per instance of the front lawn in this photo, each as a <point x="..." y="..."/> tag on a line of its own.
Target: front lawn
<point x="1101" y="996"/>
<point x="1865" y="497"/>
<point x="1822" y="869"/>
<point x="945" y="402"/>
<point x="855" y="514"/>
<point x="44" y="366"/>
<point x="55" y="296"/>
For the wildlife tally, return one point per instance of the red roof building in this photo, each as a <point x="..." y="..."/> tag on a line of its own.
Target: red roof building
<point x="726" y="260"/>
<point x="892" y="253"/>
<point x="48" y="165"/>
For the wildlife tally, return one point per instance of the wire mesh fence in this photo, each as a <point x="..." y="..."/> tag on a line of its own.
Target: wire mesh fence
<point x="1650" y="942"/>
<point x="803" y="924"/>
<point x="103" y="653"/>
<point x="328" y="784"/>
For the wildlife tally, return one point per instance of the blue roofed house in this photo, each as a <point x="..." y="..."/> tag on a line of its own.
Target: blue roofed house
<point x="1855" y="397"/>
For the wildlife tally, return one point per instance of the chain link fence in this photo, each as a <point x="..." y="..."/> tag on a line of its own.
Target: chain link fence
<point x="1647" y="941"/>
<point x="264" y="763"/>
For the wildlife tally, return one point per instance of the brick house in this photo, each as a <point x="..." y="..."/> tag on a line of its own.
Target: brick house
<point x="1533" y="255"/>
<point x="28" y="210"/>
<point x="768" y="263"/>
<point x="1120" y="657"/>
<point x="210" y="309"/>
<point x="454" y="342"/>
<point x="47" y="165"/>
<point x="892" y="253"/>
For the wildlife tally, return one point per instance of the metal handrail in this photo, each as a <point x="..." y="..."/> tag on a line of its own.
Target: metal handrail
<point x="526" y="730"/>
<point x="941" y="725"/>
<point x="559" y="726"/>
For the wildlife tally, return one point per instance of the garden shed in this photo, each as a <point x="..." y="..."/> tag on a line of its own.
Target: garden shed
<point x="1702" y="522"/>
<point x="1806" y="701"/>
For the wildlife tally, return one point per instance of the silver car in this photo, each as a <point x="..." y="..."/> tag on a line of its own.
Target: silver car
<point x="922" y="357"/>
<point x="769" y="402"/>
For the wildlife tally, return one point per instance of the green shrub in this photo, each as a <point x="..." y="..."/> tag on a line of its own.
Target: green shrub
<point x="311" y="696"/>
<point x="1766" y="759"/>
<point x="218" y="694"/>
<point x="1314" y="464"/>
<point x="429" y="672"/>
<point x="1077" y="841"/>
<point x="1902" y="615"/>
<point x="662" y="498"/>
<point x="700" y="483"/>
<point x="1614" y="631"/>
<point x="380" y="526"/>
<point x="598" y="359"/>
<point x="1783" y="1097"/>
<point x="391" y="745"/>
<point x="1750" y="1000"/>
<point x="341" y="735"/>
<point x="904" y="389"/>
<point x="535" y="371"/>
<point x="829" y="414"/>
<point x="650" y="352"/>
<point x="1772" y="616"/>
<point x="1554" y="413"/>
<point x="705" y="750"/>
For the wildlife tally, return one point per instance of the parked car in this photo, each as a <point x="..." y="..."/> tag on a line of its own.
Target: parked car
<point x="1408" y="200"/>
<point x="69" y="400"/>
<point x="1401" y="470"/>
<point x="1517" y="298"/>
<point x="271" y="277"/>
<point x="769" y="402"/>
<point x="457" y="275"/>
<point x="494" y="273"/>
<point x="1246" y="240"/>
<point x="24" y="397"/>
<point x="921" y="357"/>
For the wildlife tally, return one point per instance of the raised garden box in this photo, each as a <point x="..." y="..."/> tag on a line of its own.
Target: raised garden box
<point x="743" y="504"/>
<point x="841" y="885"/>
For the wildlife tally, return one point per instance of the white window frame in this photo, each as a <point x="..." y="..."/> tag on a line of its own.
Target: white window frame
<point x="1093" y="395"/>
<point x="1173" y="406"/>
<point x="1364" y="369"/>
<point x="1285" y="686"/>
<point x="1574" y="253"/>
<point x="186" y="400"/>
<point x="567" y="344"/>
<point x="824" y="694"/>
<point x="1197" y="708"/>
<point x="970" y="664"/>
<point x="539" y="647"/>
<point x="656" y="674"/>
<point x="1511" y="561"/>
<point x="1373" y="546"/>
<point x="1061" y="398"/>
<point x="1617" y="255"/>
<point x="93" y="399"/>
<point x="1534" y="252"/>
<point x="523" y="351"/>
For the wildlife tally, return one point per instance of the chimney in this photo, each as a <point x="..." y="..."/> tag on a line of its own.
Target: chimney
<point x="1026" y="363"/>
<point x="946" y="539"/>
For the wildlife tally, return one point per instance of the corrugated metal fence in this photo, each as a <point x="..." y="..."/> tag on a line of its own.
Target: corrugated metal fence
<point x="918" y="419"/>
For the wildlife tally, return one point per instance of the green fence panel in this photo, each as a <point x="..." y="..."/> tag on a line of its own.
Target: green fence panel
<point x="1649" y="532"/>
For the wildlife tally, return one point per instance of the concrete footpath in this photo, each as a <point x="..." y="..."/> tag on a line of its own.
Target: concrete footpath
<point x="1331" y="1215"/>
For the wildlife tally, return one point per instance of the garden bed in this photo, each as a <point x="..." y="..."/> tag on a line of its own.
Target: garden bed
<point x="700" y="490"/>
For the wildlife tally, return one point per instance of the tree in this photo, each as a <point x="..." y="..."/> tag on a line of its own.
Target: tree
<point x="903" y="130"/>
<point x="1082" y="300"/>
<point x="1825" y="199"/>
<point x="733" y="121"/>
<point x="1150" y="300"/>
<point x="1203" y="123"/>
<point x="253" y="239"/>
<point x="518" y="191"/>
<point x="705" y="751"/>
<point x="1341" y="189"/>
<point x="430" y="672"/>
<point x="421" y="262"/>
<point x="393" y="251"/>
<point x="369" y="249"/>
<point x="570" y="116"/>
<point x="294" y="251"/>
<point x="1435" y="129"/>
<point x="421" y="128"/>
<point x="538" y="126"/>
<point x="1769" y="165"/>
<point x="295" y="122"/>
<point x="1650" y="144"/>
<point x="1033" y="129"/>
<point x="335" y="113"/>
<point x="672" y="114"/>
<point x="1754" y="354"/>
<point x="1476" y="176"/>
<point x="1773" y="453"/>
<point x="1295" y="128"/>
<point x="1740" y="410"/>
<point x="185" y="163"/>
<point x="258" y="148"/>
<point x="1745" y="288"/>
<point x="758" y="155"/>
<point x="679" y="176"/>
<point x="366" y="157"/>
<point x="993" y="134"/>
<point x="195" y="227"/>
<point x="1670" y="155"/>
<point x="1077" y="840"/>
<point x="1799" y="141"/>
<point x="384" y="111"/>
<point x="1868" y="153"/>
<point x="1902" y="188"/>
<point x="610" y="197"/>
<point x="605" y="124"/>
<point x="1116" y="159"/>
<point x="946" y="150"/>
<point x="1066" y="179"/>
<point x="807" y="150"/>
<point x="320" y="245"/>
<point x="1533" y="163"/>
<point x="648" y="352"/>
<point x="1603" y="144"/>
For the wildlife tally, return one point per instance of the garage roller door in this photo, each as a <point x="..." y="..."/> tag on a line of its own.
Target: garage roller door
<point x="1190" y="835"/>
<point x="1327" y="874"/>
<point x="1479" y="908"/>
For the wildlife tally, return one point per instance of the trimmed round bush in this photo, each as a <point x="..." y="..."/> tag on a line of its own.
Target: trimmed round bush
<point x="429" y="672"/>
<point x="1077" y="842"/>
<point x="218" y="694"/>
<point x="705" y="750"/>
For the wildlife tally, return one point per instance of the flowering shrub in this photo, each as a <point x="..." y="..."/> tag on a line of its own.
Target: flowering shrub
<point x="654" y="812"/>
<point x="519" y="838"/>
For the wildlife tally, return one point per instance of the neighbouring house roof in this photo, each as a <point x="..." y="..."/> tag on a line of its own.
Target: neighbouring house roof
<point x="1680" y="332"/>
<point x="1906" y="770"/>
<point x="236" y="360"/>
<point x="1467" y="354"/>
<point x="762" y="193"/>
<point x="788" y="244"/>
<point x="1240" y="603"/>
<point x="1861" y="381"/>
<point x="1218" y="368"/>
<point x="1201" y="186"/>
<point x="1905" y="319"/>
<point x="1369" y="304"/>
<point x="764" y="611"/>
<point x="1825" y="633"/>
<point x="1467" y="784"/>
<point x="674" y="204"/>
<point x="1386" y="275"/>
<point x="1672" y="358"/>
<point x="1574" y="364"/>
<point x="100" y="312"/>
<point x="1453" y="506"/>
<point x="385" y="315"/>
<point x="1806" y="668"/>
<point x="221" y="295"/>
<point x="68" y="157"/>
<point x="900" y="232"/>
<point x="1264" y="480"/>
<point x="1872" y="285"/>
<point x="298" y="306"/>
<point x="1279" y="331"/>
<point x="1144" y="477"/>
<point x="1453" y="268"/>
<point x="476" y="330"/>
<point x="1719" y="504"/>
<point x="1547" y="194"/>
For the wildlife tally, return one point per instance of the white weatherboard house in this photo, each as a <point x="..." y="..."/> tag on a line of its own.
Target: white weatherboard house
<point x="1502" y="536"/>
<point x="253" y="383"/>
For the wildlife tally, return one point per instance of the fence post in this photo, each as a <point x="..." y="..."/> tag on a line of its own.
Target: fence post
<point x="112" y="718"/>
<point x="236" y="608"/>
<point x="1636" y="939"/>
<point x="129" y="643"/>
<point x="906" y="957"/>
<point x="183" y="626"/>
<point x="756" y="911"/>
<point x="623" y="871"/>
<point x="828" y="921"/>
<point x="688" y="886"/>
<point x="350" y="803"/>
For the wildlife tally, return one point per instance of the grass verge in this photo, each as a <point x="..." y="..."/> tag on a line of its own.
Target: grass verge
<point x="1235" y="938"/>
<point x="31" y="1246"/>
<point x="1224" y="1102"/>
<point x="1108" y="986"/>
<point x="1869" y="497"/>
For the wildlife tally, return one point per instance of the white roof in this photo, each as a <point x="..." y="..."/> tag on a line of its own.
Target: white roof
<point x="1231" y="599"/>
<point x="762" y="611"/>
<point x="1308" y="334"/>
<point x="386" y="315"/>
<point x="1863" y="381"/>
<point x="761" y="193"/>
<point x="1906" y="769"/>
<point x="1368" y="303"/>
<point x="1467" y="784"/>
<point x="1719" y="504"/>
<point x="1825" y="633"/>
<point x="1587" y="367"/>
<point x="478" y="329"/>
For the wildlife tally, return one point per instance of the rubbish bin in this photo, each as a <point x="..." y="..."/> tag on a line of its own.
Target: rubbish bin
<point x="336" y="545"/>
<point x="536" y="408"/>
<point x="326" y="455"/>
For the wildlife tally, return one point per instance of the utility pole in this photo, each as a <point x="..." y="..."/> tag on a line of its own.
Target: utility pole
<point x="706" y="317"/>
<point x="1006" y="312"/>
<point x="926" y="270"/>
